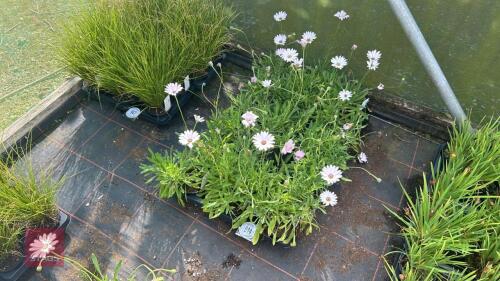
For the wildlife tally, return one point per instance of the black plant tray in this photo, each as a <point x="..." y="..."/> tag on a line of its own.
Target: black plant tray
<point x="194" y="199"/>
<point x="20" y="268"/>
<point x="157" y="117"/>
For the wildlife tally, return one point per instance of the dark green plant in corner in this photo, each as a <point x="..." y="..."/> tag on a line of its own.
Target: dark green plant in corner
<point x="451" y="228"/>
<point x="137" y="47"/>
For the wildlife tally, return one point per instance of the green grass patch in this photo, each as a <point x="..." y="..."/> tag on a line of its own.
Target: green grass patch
<point x="28" y="199"/>
<point x="137" y="47"/>
<point x="451" y="227"/>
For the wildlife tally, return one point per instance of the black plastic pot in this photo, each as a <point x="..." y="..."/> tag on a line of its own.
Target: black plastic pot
<point x="157" y="117"/>
<point x="20" y="268"/>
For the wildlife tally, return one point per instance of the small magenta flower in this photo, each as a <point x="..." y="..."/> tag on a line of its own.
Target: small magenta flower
<point x="298" y="155"/>
<point x="288" y="147"/>
<point x="253" y="79"/>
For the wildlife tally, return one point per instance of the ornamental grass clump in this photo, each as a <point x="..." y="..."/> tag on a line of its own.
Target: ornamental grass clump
<point x="28" y="199"/>
<point x="135" y="48"/>
<point x="272" y="157"/>
<point x="451" y="228"/>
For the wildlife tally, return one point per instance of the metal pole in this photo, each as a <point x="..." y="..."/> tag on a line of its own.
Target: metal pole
<point x="416" y="37"/>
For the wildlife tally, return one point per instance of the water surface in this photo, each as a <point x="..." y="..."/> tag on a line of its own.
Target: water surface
<point x="463" y="34"/>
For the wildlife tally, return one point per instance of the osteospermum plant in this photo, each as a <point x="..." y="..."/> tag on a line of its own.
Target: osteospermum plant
<point x="273" y="157"/>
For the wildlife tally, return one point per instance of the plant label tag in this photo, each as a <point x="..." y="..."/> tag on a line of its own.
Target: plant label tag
<point x="247" y="231"/>
<point x="187" y="84"/>
<point x="133" y="113"/>
<point x="167" y="103"/>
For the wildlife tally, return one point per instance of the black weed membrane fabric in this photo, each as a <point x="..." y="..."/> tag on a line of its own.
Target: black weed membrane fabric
<point x="118" y="216"/>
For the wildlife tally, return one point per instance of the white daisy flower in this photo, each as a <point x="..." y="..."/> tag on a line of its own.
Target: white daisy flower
<point x="380" y="86"/>
<point x="249" y="119"/>
<point x="373" y="55"/>
<point x="279" y="52"/>
<point x="339" y="62"/>
<point x="289" y="54"/>
<point x="308" y="37"/>
<point x="347" y="126"/>
<point x="331" y="174"/>
<point x="362" y="158"/>
<point x="354" y="47"/>
<point x="298" y="63"/>
<point x="288" y="147"/>
<point x="302" y="43"/>
<point x="263" y="141"/>
<point x="372" y="64"/>
<point x="280" y="16"/>
<point x="345" y="95"/>
<point x="341" y="15"/>
<point x="280" y="39"/>
<point x="173" y="89"/>
<point x="266" y="83"/>
<point x="328" y="198"/>
<point x="364" y="103"/>
<point x="188" y="138"/>
<point x="198" y="118"/>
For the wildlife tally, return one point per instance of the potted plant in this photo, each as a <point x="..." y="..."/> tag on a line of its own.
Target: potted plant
<point x="269" y="161"/>
<point x="150" y="55"/>
<point x="28" y="201"/>
<point x="450" y="228"/>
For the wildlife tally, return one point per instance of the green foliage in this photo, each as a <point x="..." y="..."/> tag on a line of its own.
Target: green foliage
<point x="452" y="226"/>
<point x="171" y="173"/>
<point x="28" y="199"/>
<point x="96" y="274"/>
<point x="137" y="47"/>
<point x="277" y="193"/>
<point x="9" y="240"/>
